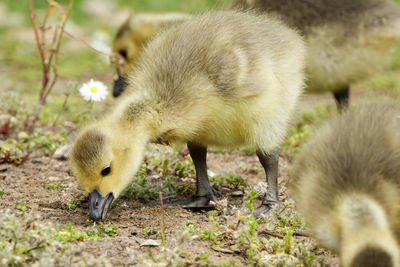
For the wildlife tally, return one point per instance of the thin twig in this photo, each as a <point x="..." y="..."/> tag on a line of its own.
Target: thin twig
<point x="39" y="44"/>
<point x="272" y="234"/>
<point x="301" y="233"/>
<point x="162" y="220"/>
<point x="57" y="49"/>
<point x="67" y="95"/>
<point x="86" y="43"/>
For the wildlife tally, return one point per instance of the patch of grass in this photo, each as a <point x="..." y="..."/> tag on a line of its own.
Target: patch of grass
<point x="21" y="206"/>
<point x="1" y="191"/>
<point x="231" y="181"/>
<point x="303" y="129"/>
<point x="263" y="242"/>
<point x="26" y="241"/>
<point x="388" y="83"/>
<point x="17" y="149"/>
<point x="214" y="236"/>
<point x="70" y="234"/>
<point x="142" y="188"/>
<point x="52" y="186"/>
<point x="395" y="58"/>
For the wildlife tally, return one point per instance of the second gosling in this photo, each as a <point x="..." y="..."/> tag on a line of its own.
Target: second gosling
<point x="347" y="40"/>
<point x="346" y="183"/>
<point x="133" y="36"/>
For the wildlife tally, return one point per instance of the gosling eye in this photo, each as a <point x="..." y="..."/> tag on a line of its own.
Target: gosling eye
<point x="106" y="171"/>
<point x="123" y="53"/>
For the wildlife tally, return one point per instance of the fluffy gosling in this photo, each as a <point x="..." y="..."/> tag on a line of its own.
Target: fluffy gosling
<point x="347" y="40"/>
<point x="221" y="79"/>
<point x="346" y="184"/>
<point x="133" y="36"/>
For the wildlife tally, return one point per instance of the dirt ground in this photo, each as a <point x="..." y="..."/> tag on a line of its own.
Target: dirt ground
<point x="25" y="183"/>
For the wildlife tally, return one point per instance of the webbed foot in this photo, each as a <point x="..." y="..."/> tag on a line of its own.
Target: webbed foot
<point x="264" y="209"/>
<point x="199" y="203"/>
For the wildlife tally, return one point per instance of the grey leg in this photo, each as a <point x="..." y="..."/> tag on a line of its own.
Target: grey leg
<point x="270" y="163"/>
<point x="204" y="192"/>
<point x="342" y="98"/>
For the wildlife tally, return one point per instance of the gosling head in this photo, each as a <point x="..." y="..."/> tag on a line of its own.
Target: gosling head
<point x="128" y="44"/>
<point x="102" y="167"/>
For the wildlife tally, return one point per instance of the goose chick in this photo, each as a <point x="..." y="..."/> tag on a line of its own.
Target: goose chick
<point x="346" y="184"/>
<point x="347" y="40"/>
<point x="220" y="79"/>
<point x="133" y="36"/>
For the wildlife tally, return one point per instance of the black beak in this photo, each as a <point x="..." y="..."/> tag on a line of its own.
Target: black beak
<point x="99" y="205"/>
<point x="119" y="86"/>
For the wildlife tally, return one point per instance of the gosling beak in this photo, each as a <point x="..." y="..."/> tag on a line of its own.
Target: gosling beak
<point x="99" y="205"/>
<point x="119" y="85"/>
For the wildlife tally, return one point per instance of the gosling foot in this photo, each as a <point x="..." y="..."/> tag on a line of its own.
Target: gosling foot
<point x="199" y="203"/>
<point x="264" y="209"/>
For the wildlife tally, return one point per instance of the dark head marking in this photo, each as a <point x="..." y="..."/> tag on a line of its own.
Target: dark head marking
<point x="372" y="257"/>
<point x="88" y="148"/>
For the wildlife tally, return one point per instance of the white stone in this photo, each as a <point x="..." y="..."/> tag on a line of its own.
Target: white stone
<point x="150" y="243"/>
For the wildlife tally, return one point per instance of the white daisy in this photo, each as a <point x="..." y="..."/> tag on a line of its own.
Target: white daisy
<point x="93" y="91"/>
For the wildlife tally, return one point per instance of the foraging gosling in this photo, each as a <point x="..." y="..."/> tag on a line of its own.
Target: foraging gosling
<point x="133" y="36"/>
<point x="346" y="184"/>
<point x="221" y="79"/>
<point x="347" y="40"/>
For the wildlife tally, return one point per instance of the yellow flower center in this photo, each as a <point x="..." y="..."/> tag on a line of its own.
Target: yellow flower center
<point x="93" y="89"/>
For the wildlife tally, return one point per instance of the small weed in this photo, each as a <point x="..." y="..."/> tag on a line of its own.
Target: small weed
<point x="21" y="206"/>
<point x="108" y="229"/>
<point x="70" y="234"/>
<point x="26" y="242"/>
<point x="230" y="181"/>
<point x="141" y="188"/>
<point x="72" y="205"/>
<point x="17" y="150"/>
<point x="1" y="191"/>
<point x="214" y="236"/>
<point x="52" y="186"/>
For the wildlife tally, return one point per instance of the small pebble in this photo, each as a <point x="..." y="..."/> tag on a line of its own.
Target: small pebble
<point x="210" y="173"/>
<point x="237" y="194"/>
<point x="62" y="153"/>
<point x="150" y="243"/>
<point x="53" y="178"/>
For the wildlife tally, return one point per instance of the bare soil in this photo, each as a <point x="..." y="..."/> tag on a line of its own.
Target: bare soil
<point x="24" y="184"/>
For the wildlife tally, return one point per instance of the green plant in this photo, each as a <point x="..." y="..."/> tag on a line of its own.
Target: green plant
<point x="52" y="186"/>
<point x="25" y="241"/>
<point x="230" y="181"/>
<point x="70" y="234"/>
<point x="72" y="205"/>
<point x="49" y="51"/>
<point x="21" y="206"/>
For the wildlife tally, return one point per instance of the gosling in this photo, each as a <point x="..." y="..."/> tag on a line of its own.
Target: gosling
<point x="347" y="40"/>
<point x="220" y="79"/>
<point x="133" y="36"/>
<point x="346" y="184"/>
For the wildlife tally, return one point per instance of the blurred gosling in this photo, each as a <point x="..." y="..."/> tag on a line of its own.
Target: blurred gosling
<point x="347" y="40"/>
<point x="346" y="184"/>
<point x="133" y="36"/>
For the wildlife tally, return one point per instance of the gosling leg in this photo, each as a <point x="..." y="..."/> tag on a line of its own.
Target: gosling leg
<point x="204" y="192"/>
<point x="270" y="164"/>
<point x="342" y="98"/>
